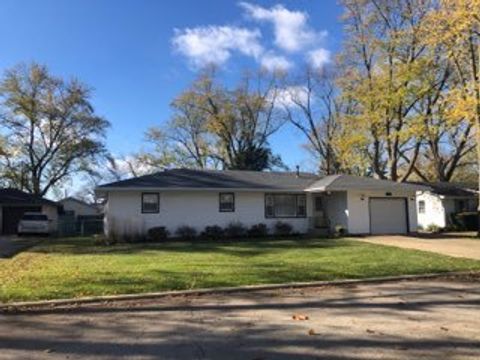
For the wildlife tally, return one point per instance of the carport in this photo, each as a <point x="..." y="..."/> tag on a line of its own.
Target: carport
<point x="14" y="203"/>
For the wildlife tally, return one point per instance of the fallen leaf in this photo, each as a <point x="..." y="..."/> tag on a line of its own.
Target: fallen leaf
<point x="370" y="331"/>
<point x="311" y="332"/>
<point x="443" y="328"/>
<point x="299" y="317"/>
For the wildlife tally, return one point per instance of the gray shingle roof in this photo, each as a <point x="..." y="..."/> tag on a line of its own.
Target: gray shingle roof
<point x="450" y="189"/>
<point x="255" y="180"/>
<point x="15" y="196"/>
<point x="346" y="182"/>
<point x="228" y="179"/>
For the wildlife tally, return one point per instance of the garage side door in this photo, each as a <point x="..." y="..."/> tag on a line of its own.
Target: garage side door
<point x="11" y="215"/>
<point x="388" y="216"/>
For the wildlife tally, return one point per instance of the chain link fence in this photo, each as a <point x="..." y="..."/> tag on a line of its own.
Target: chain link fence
<point x="80" y="226"/>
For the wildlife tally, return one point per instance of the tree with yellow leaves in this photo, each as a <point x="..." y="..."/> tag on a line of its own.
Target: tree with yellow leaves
<point x="385" y="62"/>
<point x="455" y="26"/>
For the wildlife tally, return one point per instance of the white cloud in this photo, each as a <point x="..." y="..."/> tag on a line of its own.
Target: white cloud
<point x="289" y="96"/>
<point x="318" y="58"/>
<point x="215" y="44"/>
<point x="291" y="29"/>
<point x="273" y="62"/>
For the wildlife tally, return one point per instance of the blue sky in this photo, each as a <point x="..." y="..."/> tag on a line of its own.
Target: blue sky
<point x="139" y="54"/>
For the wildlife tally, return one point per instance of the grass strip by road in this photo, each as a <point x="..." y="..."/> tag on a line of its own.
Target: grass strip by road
<point x="76" y="267"/>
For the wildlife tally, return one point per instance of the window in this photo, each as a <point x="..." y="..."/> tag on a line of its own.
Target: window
<point x="226" y="202"/>
<point x="421" y="207"/>
<point x="285" y="205"/>
<point x="150" y="203"/>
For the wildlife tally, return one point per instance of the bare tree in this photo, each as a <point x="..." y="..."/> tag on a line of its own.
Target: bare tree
<point x="51" y="129"/>
<point x="312" y="105"/>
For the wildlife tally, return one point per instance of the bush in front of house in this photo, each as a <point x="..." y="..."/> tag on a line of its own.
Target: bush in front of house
<point x="258" y="230"/>
<point x="133" y="237"/>
<point x="235" y="230"/>
<point x="340" y="230"/>
<point x="102" y="240"/>
<point x="213" y="232"/>
<point x="283" y="228"/>
<point x="158" y="234"/>
<point x="186" y="232"/>
<point x="432" y="228"/>
<point x="467" y="220"/>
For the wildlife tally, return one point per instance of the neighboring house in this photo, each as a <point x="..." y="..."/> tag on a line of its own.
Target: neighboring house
<point x="200" y="198"/>
<point x="75" y="207"/>
<point x="14" y="203"/>
<point x="437" y="205"/>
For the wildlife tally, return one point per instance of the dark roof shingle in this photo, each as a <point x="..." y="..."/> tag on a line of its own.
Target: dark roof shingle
<point x="450" y="189"/>
<point x="15" y="196"/>
<point x="345" y="182"/>
<point x="226" y="179"/>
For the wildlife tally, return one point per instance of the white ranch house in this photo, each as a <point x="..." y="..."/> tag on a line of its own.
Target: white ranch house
<point x="200" y="198"/>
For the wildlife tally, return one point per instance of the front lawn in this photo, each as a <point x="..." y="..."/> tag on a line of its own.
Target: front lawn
<point x="64" y="268"/>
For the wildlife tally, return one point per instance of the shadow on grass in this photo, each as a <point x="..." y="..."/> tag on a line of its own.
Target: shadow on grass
<point x="250" y="247"/>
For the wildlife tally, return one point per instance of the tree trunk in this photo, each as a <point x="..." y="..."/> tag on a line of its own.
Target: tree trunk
<point x="477" y="123"/>
<point x="477" y="139"/>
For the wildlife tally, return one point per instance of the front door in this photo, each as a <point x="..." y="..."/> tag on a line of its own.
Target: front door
<point x="319" y="211"/>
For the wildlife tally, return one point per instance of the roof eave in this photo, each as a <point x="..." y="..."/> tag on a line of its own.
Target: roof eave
<point x="140" y="188"/>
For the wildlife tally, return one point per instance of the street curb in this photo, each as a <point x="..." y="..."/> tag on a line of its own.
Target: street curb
<point x="8" y="307"/>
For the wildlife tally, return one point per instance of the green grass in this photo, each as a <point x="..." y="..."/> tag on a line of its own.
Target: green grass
<point x="64" y="268"/>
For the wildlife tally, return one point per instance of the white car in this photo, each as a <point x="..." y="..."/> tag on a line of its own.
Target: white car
<point x="34" y="223"/>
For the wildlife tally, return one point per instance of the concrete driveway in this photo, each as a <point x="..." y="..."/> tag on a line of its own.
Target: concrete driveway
<point x="12" y="245"/>
<point x="456" y="245"/>
<point x="402" y="320"/>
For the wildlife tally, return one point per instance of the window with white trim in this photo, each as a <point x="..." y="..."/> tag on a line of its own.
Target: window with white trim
<point x="150" y="203"/>
<point x="421" y="207"/>
<point x="226" y="202"/>
<point x="285" y="205"/>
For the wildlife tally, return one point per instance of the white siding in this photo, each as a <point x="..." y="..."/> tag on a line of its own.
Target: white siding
<point x="193" y="208"/>
<point x="434" y="210"/>
<point x="52" y="214"/>
<point x="78" y="208"/>
<point x="439" y="208"/>
<point x="359" y="212"/>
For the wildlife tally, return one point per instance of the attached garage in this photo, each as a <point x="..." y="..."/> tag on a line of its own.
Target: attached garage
<point x="388" y="215"/>
<point x="14" y="203"/>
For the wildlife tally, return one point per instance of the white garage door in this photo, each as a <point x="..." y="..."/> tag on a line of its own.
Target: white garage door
<point x="388" y="216"/>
